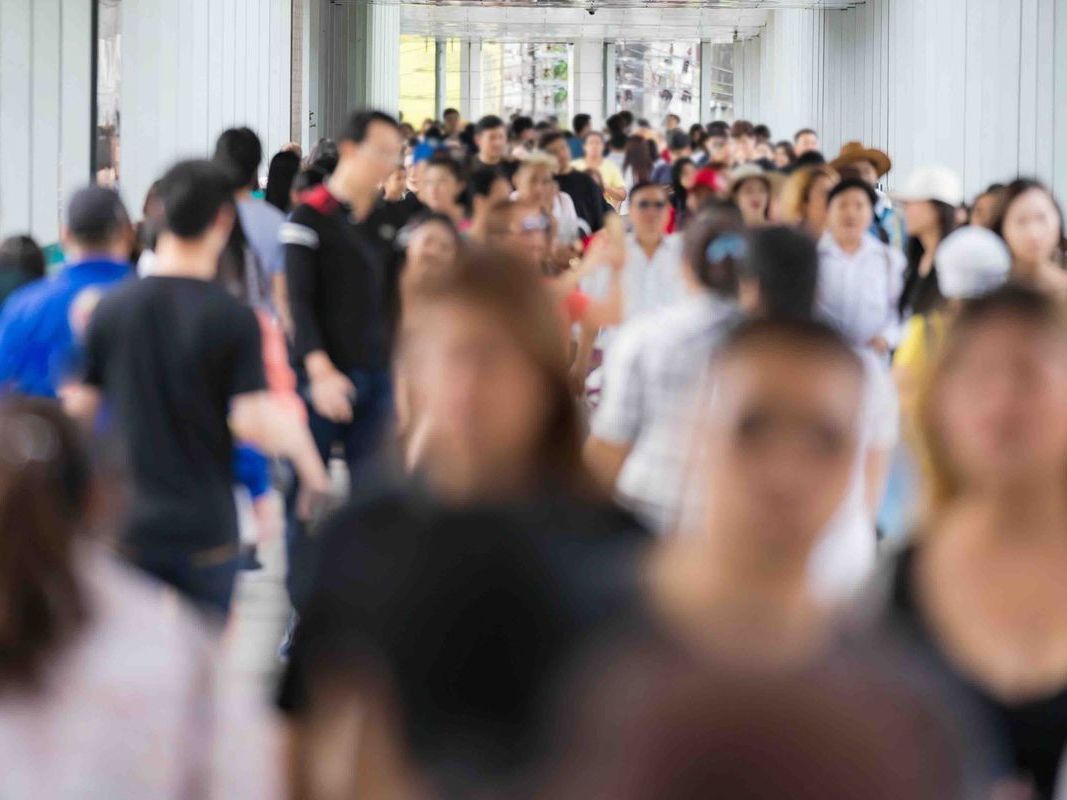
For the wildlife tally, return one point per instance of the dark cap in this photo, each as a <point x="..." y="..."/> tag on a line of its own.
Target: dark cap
<point x="679" y="140"/>
<point x="96" y="214"/>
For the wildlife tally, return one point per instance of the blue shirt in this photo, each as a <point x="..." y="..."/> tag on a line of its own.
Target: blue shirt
<point x="38" y="349"/>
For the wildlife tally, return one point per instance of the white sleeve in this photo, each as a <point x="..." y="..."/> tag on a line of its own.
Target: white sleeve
<point x="618" y="417"/>
<point x="881" y="405"/>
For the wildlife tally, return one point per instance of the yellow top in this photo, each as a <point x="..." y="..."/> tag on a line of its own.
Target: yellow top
<point x="609" y="172"/>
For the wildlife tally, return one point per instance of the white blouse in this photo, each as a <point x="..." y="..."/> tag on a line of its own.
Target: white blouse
<point x="857" y="293"/>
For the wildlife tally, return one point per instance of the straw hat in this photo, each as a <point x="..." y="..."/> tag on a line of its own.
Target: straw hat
<point x="746" y="172"/>
<point x="855" y="151"/>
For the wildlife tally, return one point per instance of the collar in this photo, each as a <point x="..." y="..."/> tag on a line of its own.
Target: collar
<point x="92" y="268"/>
<point x="828" y="242"/>
<point x="322" y="200"/>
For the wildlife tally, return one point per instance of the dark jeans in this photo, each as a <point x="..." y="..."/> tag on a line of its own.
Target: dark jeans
<point x="360" y="440"/>
<point x="206" y="577"/>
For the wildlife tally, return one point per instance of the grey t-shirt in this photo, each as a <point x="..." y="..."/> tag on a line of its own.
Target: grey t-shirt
<point x="262" y="223"/>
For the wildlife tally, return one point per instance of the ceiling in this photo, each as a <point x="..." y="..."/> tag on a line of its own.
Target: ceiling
<point x="571" y="20"/>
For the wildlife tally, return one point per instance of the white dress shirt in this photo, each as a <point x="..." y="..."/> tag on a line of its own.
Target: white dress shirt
<point x="652" y="379"/>
<point x="857" y="293"/>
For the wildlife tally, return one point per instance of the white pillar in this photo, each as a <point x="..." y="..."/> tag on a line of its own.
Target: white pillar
<point x="440" y="65"/>
<point x="470" y="77"/>
<point x="379" y="39"/>
<point x="610" y="104"/>
<point x="588" y="79"/>
<point x="704" y="115"/>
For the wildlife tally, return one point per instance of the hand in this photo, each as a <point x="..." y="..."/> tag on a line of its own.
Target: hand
<point x="879" y="345"/>
<point x="314" y="495"/>
<point x="332" y="395"/>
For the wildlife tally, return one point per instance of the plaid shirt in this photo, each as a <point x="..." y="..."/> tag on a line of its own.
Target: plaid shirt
<point x="651" y="378"/>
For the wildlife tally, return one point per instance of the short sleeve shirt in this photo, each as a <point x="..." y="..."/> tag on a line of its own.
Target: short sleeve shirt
<point x="169" y="353"/>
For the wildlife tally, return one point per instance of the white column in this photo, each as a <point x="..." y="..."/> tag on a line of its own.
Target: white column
<point x="704" y="115"/>
<point x="609" y="102"/>
<point x="440" y="63"/>
<point x="380" y="41"/>
<point x="470" y="76"/>
<point x="588" y="79"/>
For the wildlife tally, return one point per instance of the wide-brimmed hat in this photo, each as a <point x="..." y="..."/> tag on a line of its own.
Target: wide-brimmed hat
<point x="853" y="152"/>
<point x="747" y="172"/>
<point x="932" y="183"/>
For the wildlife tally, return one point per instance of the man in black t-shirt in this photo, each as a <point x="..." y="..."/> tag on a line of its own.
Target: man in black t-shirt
<point x="180" y="364"/>
<point x="491" y="138"/>
<point x="582" y="189"/>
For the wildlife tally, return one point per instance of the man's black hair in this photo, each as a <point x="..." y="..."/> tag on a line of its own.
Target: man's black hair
<point x="520" y="125"/>
<point x="482" y="180"/>
<point x="240" y="151"/>
<point x="21" y="254"/>
<point x="718" y="128"/>
<point x="96" y="214"/>
<point x="762" y="132"/>
<point x="643" y="185"/>
<point x="488" y="123"/>
<point x="853" y="183"/>
<point x="444" y="160"/>
<point x="804" y="335"/>
<point x="580" y="123"/>
<point x="549" y="137"/>
<point x="679" y="140"/>
<point x="785" y="265"/>
<point x="358" y="125"/>
<point x="193" y="193"/>
<point x="803" y="131"/>
<point x="450" y="111"/>
<point x="812" y="158"/>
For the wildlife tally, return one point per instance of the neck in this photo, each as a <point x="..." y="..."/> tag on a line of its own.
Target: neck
<point x="361" y="202"/>
<point x="1027" y="509"/>
<point x="851" y="244"/>
<point x="492" y="162"/>
<point x="76" y="255"/>
<point x="929" y="240"/>
<point x="183" y="258"/>
<point x="649" y="242"/>
<point x="594" y="161"/>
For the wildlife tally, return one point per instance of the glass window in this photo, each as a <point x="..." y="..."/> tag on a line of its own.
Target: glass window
<point x="527" y="78"/>
<point x="106" y="151"/>
<point x="418" y="78"/>
<point x="653" y="79"/>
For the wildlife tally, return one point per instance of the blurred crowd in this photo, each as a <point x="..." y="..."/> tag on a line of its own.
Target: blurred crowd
<point x="629" y="462"/>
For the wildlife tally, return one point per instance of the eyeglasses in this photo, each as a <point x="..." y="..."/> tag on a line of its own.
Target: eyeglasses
<point x="646" y="205"/>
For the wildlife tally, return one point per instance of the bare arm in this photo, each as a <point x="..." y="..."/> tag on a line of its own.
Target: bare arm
<point x="257" y="418"/>
<point x="81" y="402"/>
<point x="605" y="460"/>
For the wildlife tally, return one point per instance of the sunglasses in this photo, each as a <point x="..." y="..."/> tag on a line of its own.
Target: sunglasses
<point x="645" y="205"/>
<point x="536" y="223"/>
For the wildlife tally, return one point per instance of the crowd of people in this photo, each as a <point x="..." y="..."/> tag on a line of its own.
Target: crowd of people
<point x="679" y="463"/>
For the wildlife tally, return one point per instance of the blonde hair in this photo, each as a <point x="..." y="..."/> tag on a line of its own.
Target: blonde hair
<point x="941" y="481"/>
<point x="793" y="201"/>
<point x="539" y="158"/>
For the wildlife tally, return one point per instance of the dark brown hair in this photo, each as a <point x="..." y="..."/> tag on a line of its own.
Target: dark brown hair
<point x="486" y="279"/>
<point x="1016" y="189"/>
<point x="638" y="159"/>
<point x="44" y="489"/>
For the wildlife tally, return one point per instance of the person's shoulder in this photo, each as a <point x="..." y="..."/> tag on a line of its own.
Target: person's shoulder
<point x="315" y="203"/>
<point x="27" y="299"/>
<point x="261" y="210"/>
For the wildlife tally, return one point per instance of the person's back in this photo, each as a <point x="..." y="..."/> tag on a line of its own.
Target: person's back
<point x="41" y="323"/>
<point x="170" y="351"/>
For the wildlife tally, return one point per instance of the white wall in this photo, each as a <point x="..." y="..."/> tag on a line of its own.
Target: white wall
<point x="45" y="125"/>
<point x="191" y="69"/>
<point x="977" y="85"/>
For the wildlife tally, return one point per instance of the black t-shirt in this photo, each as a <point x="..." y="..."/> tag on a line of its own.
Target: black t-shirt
<point x="339" y="275"/>
<point x="587" y="196"/>
<point x="922" y="293"/>
<point x="506" y="166"/>
<point x="169" y="353"/>
<point x="1034" y="732"/>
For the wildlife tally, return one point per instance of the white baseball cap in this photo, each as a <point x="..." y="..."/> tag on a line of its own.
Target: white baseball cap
<point x="971" y="261"/>
<point x="932" y="183"/>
